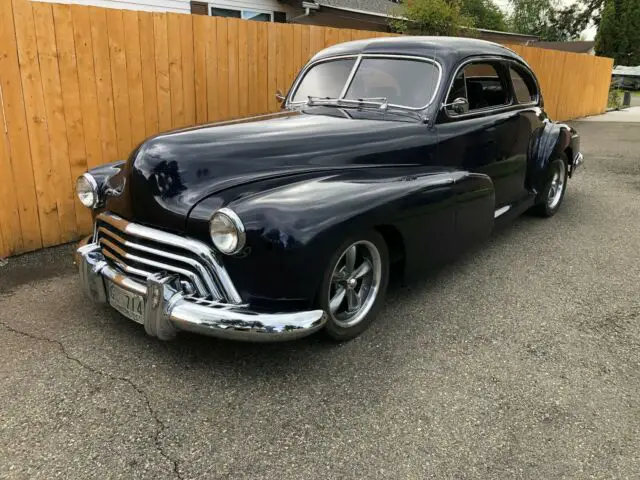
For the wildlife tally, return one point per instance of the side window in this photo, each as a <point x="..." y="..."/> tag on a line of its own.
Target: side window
<point x="480" y="85"/>
<point x="524" y="86"/>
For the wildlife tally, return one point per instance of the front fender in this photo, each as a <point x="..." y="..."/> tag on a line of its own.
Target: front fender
<point x="294" y="227"/>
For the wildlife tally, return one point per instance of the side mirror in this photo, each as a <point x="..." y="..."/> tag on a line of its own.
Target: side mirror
<point x="457" y="107"/>
<point x="279" y="96"/>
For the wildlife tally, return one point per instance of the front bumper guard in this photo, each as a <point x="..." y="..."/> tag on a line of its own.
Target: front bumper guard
<point x="578" y="160"/>
<point x="168" y="310"/>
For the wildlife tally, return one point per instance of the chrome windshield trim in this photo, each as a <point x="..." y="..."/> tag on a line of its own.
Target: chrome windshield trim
<point x="204" y="252"/>
<point x="353" y="72"/>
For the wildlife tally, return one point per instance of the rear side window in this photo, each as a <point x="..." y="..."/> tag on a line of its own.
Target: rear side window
<point x="524" y="86"/>
<point x="481" y="85"/>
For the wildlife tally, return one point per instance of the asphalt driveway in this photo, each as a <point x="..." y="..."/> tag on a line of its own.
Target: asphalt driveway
<point x="520" y="360"/>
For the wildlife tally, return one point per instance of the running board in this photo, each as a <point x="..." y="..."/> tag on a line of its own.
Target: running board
<point x="501" y="211"/>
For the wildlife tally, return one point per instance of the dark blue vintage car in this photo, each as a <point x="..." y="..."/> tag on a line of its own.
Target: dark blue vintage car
<point x="390" y="156"/>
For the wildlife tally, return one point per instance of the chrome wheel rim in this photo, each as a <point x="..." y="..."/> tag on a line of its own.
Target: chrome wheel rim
<point x="355" y="282"/>
<point x="557" y="186"/>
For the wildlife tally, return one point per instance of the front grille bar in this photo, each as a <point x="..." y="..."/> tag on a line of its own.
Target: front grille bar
<point x="212" y="275"/>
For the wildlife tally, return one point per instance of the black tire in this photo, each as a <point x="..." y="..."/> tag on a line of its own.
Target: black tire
<point x="544" y="206"/>
<point x="333" y="328"/>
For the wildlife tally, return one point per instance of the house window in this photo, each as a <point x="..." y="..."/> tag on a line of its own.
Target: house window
<point x="245" y="14"/>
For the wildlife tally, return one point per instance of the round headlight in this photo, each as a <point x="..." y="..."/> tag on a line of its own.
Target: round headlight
<point x="87" y="190"/>
<point x="227" y="231"/>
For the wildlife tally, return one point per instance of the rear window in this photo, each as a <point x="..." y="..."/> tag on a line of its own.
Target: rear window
<point x="523" y="86"/>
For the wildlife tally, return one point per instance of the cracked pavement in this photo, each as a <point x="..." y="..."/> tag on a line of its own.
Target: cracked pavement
<point x="519" y="360"/>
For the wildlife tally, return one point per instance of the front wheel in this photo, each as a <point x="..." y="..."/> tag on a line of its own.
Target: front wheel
<point x="552" y="194"/>
<point x="354" y="285"/>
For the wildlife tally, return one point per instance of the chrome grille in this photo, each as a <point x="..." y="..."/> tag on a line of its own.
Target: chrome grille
<point x="140" y="251"/>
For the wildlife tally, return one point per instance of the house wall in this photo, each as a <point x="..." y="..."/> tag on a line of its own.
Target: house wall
<point x="179" y="6"/>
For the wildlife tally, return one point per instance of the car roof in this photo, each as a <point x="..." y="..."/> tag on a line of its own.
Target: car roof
<point x="447" y="49"/>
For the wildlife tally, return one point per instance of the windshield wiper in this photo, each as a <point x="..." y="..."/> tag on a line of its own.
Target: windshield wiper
<point x="381" y="103"/>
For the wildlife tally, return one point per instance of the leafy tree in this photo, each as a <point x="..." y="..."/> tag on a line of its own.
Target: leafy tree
<point x="543" y="19"/>
<point x="533" y="17"/>
<point x="569" y="21"/>
<point x="485" y="14"/>
<point x="619" y="32"/>
<point x="448" y="17"/>
<point x="432" y="17"/>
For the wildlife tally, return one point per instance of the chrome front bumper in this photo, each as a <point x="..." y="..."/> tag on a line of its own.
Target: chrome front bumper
<point x="169" y="310"/>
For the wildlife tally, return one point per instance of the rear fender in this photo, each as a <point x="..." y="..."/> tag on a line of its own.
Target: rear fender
<point x="548" y="142"/>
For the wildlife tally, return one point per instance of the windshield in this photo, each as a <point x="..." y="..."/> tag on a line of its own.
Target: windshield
<point x="401" y="82"/>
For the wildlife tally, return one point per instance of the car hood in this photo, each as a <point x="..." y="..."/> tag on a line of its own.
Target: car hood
<point x="167" y="175"/>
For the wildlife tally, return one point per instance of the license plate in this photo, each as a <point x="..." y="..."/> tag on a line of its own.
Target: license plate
<point x="129" y="304"/>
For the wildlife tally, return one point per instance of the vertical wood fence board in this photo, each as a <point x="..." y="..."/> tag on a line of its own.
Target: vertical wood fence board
<point x="222" y="70"/>
<point x="117" y="55"/>
<point x="149" y="79"/>
<point x="252" y="69"/>
<point x="72" y="107"/>
<point x="188" y="69"/>
<point x="87" y="85"/>
<point x="243" y="68"/>
<point x="232" y="62"/>
<point x="175" y="70"/>
<point x="82" y="85"/>
<point x="132" y="51"/>
<point x="20" y="169"/>
<point x="104" y="89"/>
<point x="60" y="186"/>
<point x="36" y="122"/>
<point x="9" y="210"/>
<point x="211" y="57"/>
<point x="263" y="69"/>
<point x="163" y="83"/>
<point x="200" y="38"/>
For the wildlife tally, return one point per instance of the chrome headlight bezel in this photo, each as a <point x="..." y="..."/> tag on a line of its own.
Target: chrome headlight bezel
<point x="222" y="219"/>
<point x="89" y="181"/>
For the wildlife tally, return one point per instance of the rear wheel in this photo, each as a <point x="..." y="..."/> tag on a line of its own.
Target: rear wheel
<point x="354" y="285"/>
<point x="552" y="194"/>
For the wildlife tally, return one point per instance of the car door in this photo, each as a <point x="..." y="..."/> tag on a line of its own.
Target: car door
<point x="484" y="136"/>
<point x="532" y="118"/>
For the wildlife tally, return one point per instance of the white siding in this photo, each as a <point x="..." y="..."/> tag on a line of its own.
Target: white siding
<point x="179" y="6"/>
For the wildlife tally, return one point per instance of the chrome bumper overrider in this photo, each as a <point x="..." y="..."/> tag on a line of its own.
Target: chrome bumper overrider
<point x="578" y="159"/>
<point x="167" y="309"/>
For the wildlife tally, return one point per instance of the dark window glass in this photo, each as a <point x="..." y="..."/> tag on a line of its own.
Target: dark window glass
<point x="480" y="85"/>
<point x="523" y="86"/>
<point x="402" y="82"/>
<point x="225" y="12"/>
<point x="324" y="80"/>
<point x="257" y="16"/>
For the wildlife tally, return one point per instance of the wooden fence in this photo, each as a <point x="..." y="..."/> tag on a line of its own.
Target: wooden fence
<point x="81" y="86"/>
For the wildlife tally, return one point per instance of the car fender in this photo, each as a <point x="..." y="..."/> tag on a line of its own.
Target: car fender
<point x="547" y="143"/>
<point x="293" y="228"/>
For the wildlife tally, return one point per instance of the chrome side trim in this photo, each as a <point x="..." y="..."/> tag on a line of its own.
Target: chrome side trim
<point x="168" y="310"/>
<point x="501" y="211"/>
<point x="353" y="72"/>
<point x="204" y="252"/>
